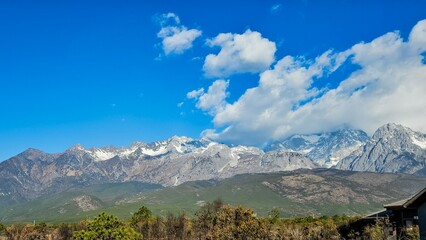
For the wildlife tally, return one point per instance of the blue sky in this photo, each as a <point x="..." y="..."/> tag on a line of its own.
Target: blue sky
<point x="244" y="72"/>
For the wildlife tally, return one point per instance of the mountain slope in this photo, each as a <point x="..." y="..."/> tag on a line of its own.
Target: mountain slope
<point x="73" y="204"/>
<point x="393" y="148"/>
<point x="295" y="193"/>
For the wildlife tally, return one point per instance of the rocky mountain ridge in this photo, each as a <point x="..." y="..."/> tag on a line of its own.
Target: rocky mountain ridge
<point x="169" y="162"/>
<point x="393" y="148"/>
<point x="325" y="149"/>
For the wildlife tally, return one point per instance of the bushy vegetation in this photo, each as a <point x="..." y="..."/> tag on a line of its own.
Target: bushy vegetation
<point x="106" y="227"/>
<point x="212" y="221"/>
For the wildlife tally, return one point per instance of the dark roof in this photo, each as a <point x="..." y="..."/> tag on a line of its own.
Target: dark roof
<point x="413" y="202"/>
<point x="378" y="214"/>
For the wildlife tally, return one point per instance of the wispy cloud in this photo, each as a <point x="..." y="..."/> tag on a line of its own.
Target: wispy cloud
<point x="167" y="18"/>
<point x="276" y="8"/>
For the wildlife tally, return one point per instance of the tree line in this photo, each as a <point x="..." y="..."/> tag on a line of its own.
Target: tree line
<point x="212" y="221"/>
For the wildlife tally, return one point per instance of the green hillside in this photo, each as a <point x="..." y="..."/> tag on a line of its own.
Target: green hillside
<point x="296" y="193"/>
<point x="63" y="207"/>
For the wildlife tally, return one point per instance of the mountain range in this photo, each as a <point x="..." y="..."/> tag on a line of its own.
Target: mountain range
<point x="34" y="173"/>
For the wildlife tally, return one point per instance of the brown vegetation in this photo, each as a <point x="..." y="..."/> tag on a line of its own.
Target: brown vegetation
<point x="212" y="221"/>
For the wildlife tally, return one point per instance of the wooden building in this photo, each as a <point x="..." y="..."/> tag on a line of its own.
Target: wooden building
<point x="407" y="213"/>
<point x="399" y="216"/>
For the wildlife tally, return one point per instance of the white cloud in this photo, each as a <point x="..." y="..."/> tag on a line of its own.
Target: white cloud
<point x="213" y="100"/>
<point x="418" y="36"/>
<point x="389" y="86"/>
<point x="240" y="53"/>
<point x="176" y="38"/>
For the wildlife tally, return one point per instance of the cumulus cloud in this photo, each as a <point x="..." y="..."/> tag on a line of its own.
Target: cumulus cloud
<point x="239" y="53"/>
<point x="176" y="38"/>
<point x="212" y="101"/>
<point x="389" y="85"/>
<point x="418" y="36"/>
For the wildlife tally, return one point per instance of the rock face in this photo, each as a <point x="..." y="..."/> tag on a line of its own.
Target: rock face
<point x="393" y="148"/>
<point x="325" y="149"/>
<point x="169" y="162"/>
<point x="86" y="203"/>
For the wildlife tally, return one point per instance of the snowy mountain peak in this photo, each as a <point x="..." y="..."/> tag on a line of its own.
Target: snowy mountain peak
<point x="180" y="159"/>
<point x="391" y="130"/>
<point x="393" y="148"/>
<point x="175" y="144"/>
<point x="400" y="137"/>
<point x="325" y="149"/>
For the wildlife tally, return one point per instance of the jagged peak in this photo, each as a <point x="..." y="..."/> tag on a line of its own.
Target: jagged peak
<point x="391" y="129"/>
<point x="32" y="151"/>
<point x="78" y="146"/>
<point x="32" y="154"/>
<point x="392" y="126"/>
<point x="137" y="144"/>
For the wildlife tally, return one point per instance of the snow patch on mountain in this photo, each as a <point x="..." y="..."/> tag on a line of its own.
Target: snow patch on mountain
<point x="155" y="152"/>
<point x="419" y="142"/>
<point x="340" y="154"/>
<point x="101" y="155"/>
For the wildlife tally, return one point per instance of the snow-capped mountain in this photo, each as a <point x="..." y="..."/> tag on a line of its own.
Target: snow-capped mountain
<point x="174" y="144"/>
<point x="169" y="162"/>
<point x="325" y="149"/>
<point x="393" y="148"/>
